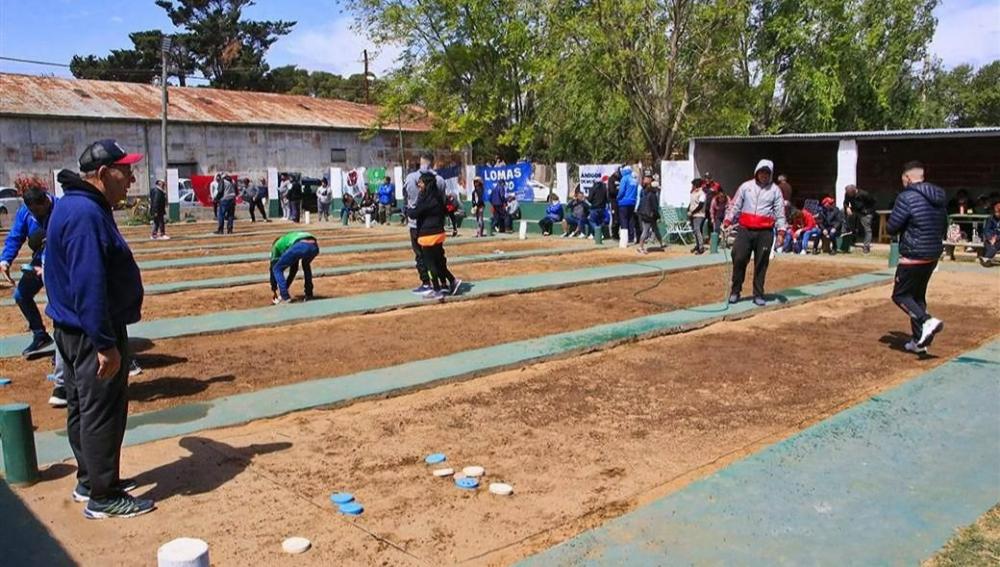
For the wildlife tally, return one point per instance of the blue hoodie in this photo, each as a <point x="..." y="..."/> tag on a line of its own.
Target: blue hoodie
<point x="554" y="212"/>
<point x="25" y="224"/>
<point x="385" y="193"/>
<point x="92" y="279"/>
<point x="628" y="189"/>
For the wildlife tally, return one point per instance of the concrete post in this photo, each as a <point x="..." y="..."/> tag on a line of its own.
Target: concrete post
<point x="173" y="196"/>
<point x="397" y="179"/>
<point x="273" y="203"/>
<point x="714" y="246"/>
<point x="18" y="438"/>
<point x="847" y="168"/>
<point x="470" y="177"/>
<point x="56" y="187"/>
<point x="562" y="181"/>
<point x="893" y="254"/>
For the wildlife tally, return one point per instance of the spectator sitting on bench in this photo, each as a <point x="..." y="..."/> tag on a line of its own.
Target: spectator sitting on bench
<point x="830" y="223"/>
<point x="513" y="211"/>
<point x="349" y="208"/>
<point x="803" y="228"/>
<point x="991" y="236"/>
<point x="576" y="223"/>
<point x="553" y="214"/>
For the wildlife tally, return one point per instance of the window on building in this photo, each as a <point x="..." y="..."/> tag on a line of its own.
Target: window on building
<point x="338" y="155"/>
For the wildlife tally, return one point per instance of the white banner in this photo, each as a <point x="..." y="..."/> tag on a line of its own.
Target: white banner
<point x="592" y="173"/>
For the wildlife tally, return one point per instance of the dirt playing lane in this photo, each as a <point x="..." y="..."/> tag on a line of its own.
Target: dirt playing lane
<point x="199" y="302"/>
<point x="194" y="368"/>
<point x="582" y="440"/>
<point x="264" y="246"/>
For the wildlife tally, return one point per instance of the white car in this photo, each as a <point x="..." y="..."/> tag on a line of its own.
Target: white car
<point x="188" y="198"/>
<point x="540" y="189"/>
<point x="10" y="202"/>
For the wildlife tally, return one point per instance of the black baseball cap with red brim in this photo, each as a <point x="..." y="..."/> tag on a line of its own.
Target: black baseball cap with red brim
<point x="105" y="153"/>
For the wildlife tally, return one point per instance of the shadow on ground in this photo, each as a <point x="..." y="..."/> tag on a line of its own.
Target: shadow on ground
<point x="896" y="341"/>
<point x="25" y="541"/>
<point x="210" y="465"/>
<point x="172" y="387"/>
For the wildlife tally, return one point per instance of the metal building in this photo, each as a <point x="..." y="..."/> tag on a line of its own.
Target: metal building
<point x="45" y="122"/>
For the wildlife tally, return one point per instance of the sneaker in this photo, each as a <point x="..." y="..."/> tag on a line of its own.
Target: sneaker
<point x="82" y="494"/>
<point x="38" y="344"/>
<point x="309" y="297"/>
<point x="58" y="397"/>
<point x="641" y="251"/>
<point x="164" y="237"/>
<point x="455" y="287"/>
<point x="121" y="506"/>
<point x="930" y="328"/>
<point x="434" y="294"/>
<point x="803" y="253"/>
<point x="565" y="235"/>
<point x="734" y="298"/>
<point x="759" y="301"/>
<point x="154" y="237"/>
<point x="590" y="237"/>
<point x="422" y="289"/>
<point x="911" y="346"/>
<point x="134" y="369"/>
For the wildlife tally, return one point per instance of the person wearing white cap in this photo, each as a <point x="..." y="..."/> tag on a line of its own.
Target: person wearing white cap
<point x="759" y="209"/>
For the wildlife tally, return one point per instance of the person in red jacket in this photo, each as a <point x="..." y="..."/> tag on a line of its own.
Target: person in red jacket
<point x="804" y="228"/>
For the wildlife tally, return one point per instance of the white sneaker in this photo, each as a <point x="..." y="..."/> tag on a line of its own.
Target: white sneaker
<point x="931" y="327"/>
<point x="164" y="237"/>
<point x="911" y="346"/>
<point x="803" y="253"/>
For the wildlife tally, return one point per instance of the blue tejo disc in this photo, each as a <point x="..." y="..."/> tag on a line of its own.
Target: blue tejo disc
<point x="351" y="509"/>
<point x="341" y="498"/>
<point x="5" y="381"/>
<point x="435" y="458"/>
<point x="467" y="483"/>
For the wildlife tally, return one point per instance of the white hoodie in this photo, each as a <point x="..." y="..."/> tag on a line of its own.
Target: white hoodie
<point x="758" y="207"/>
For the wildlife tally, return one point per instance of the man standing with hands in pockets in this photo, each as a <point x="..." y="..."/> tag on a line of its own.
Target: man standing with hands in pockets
<point x="95" y="290"/>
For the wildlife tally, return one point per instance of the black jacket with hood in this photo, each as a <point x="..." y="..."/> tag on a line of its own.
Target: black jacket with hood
<point x="429" y="211"/>
<point x="920" y="219"/>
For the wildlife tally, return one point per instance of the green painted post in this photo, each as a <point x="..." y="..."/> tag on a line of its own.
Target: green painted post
<point x="840" y="244"/>
<point x="174" y="212"/>
<point x="599" y="236"/>
<point x="714" y="245"/>
<point x="18" y="439"/>
<point x="893" y="254"/>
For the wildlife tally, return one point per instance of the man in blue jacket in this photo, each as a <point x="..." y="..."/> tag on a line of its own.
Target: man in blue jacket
<point x="95" y="290"/>
<point x="920" y="220"/>
<point x="386" y="195"/>
<point x="628" y="196"/>
<point x="30" y="222"/>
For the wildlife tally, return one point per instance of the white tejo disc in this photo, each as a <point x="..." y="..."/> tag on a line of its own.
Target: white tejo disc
<point x="501" y="489"/>
<point x="441" y="473"/>
<point x="474" y="471"/>
<point x="296" y="545"/>
<point x="183" y="552"/>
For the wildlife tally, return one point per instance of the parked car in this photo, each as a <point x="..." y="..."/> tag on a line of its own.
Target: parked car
<point x="10" y="202"/>
<point x="188" y="198"/>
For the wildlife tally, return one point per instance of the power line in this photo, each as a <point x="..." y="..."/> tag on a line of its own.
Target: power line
<point x="33" y="62"/>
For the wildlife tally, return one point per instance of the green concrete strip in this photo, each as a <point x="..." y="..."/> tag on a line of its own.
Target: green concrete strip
<point x="148" y="265"/>
<point x="219" y="283"/>
<point x="886" y="482"/>
<point x="380" y="301"/>
<point x="241" y="408"/>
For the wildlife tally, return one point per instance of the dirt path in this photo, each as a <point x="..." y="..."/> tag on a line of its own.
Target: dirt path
<point x="187" y="369"/>
<point x="582" y="440"/>
<point x="199" y="302"/>
<point x="263" y="246"/>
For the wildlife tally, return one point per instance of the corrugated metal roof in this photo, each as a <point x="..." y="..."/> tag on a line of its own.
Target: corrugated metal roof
<point x="866" y="135"/>
<point x="28" y="95"/>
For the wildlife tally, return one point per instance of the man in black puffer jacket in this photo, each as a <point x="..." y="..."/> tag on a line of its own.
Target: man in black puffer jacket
<point x="920" y="220"/>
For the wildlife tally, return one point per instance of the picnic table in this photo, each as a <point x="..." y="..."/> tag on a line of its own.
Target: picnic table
<point x="883" y="221"/>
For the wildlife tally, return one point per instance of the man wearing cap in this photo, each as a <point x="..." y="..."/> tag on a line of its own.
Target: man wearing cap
<point x="95" y="290"/>
<point x="830" y="222"/>
<point x="758" y="208"/>
<point x="29" y="226"/>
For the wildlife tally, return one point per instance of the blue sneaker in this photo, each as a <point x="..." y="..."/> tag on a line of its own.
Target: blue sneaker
<point x="120" y="506"/>
<point x="422" y="289"/>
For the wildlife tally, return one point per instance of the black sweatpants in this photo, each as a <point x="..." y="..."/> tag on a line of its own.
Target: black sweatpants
<point x="757" y="242"/>
<point x="437" y="263"/>
<point x="910" y="293"/>
<point x="418" y="254"/>
<point x="96" y="409"/>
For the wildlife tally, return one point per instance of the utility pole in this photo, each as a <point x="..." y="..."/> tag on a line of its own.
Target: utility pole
<point x="368" y="99"/>
<point x="402" y="158"/>
<point x="164" y="49"/>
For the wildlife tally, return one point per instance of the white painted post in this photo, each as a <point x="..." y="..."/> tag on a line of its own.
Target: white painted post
<point x="272" y="192"/>
<point x="337" y="182"/>
<point x="308" y="219"/>
<point x="173" y="195"/>
<point x="56" y="187"/>
<point x="562" y="181"/>
<point x="623" y="239"/>
<point x="523" y="232"/>
<point x="397" y="178"/>
<point x="368" y="220"/>
<point x="183" y="552"/>
<point x="847" y="168"/>
<point x="470" y="178"/>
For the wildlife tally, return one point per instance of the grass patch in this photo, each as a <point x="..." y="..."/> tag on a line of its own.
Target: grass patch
<point x="978" y="544"/>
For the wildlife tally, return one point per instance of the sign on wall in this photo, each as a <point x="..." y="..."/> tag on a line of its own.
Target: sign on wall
<point x="592" y="173"/>
<point x="514" y="178"/>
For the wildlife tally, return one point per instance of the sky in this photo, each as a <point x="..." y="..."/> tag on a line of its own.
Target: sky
<point x="968" y="31"/>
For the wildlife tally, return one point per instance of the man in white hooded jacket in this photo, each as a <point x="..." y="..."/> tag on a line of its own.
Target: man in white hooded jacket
<point x="758" y="207"/>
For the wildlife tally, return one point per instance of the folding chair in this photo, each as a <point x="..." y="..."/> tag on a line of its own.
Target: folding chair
<point x="676" y="224"/>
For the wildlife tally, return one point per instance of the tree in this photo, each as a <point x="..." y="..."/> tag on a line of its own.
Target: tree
<point x="960" y="98"/>
<point x="141" y="64"/>
<point x="228" y="50"/>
